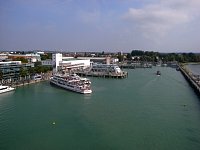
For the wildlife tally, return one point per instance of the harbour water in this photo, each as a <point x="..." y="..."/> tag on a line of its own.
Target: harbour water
<point x="195" y="68"/>
<point x="142" y="112"/>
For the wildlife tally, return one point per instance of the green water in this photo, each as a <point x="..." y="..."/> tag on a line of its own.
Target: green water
<point x="142" y="112"/>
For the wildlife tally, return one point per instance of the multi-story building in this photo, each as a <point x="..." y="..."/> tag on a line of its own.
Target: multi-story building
<point x="67" y="63"/>
<point x="56" y="58"/>
<point x="11" y="70"/>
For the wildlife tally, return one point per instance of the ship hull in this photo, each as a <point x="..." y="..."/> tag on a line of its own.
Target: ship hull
<point x="70" y="88"/>
<point x="8" y="89"/>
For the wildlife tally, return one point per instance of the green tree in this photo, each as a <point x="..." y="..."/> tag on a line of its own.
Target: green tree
<point x="23" y="72"/>
<point x="1" y="75"/>
<point x="120" y="57"/>
<point x="38" y="63"/>
<point x="46" y="56"/>
<point x="31" y="70"/>
<point x="137" y="53"/>
<point x="129" y="57"/>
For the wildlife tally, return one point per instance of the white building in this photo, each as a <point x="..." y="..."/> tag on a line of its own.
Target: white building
<point x="56" y="58"/>
<point x="64" y="63"/>
<point x="40" y="53"/>
<point x="34" y="57"/>
<point x="3" y="56"/>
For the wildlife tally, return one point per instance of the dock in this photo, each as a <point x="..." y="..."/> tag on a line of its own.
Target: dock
<point x="121" y="75"/>
<point x="193" y="80"/>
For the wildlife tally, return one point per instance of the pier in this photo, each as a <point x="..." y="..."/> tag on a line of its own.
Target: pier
<point x="192" y="79"/>
<point x="121" y="75"/>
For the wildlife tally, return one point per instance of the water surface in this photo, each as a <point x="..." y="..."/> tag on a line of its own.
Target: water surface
<point x="142" y="112"/>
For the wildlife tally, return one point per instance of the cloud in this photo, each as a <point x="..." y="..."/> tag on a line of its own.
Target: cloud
<point x="162" y="16"/>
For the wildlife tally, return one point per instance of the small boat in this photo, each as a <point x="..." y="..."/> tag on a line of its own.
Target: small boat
<point x="4" y="89"/>
<point x="158" y="73"/>
<point x="37" y="77"/>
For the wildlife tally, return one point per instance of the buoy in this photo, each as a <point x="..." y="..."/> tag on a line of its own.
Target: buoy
<point x="54" y="122"/>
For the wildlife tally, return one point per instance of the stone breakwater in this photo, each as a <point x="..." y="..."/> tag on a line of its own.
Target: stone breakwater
<point x="194" y="80"/>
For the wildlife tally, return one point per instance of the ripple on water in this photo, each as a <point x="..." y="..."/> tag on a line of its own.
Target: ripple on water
<point x="6" y="110"/>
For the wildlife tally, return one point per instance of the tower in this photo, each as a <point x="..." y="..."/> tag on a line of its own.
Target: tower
<point x="56" y="59"/>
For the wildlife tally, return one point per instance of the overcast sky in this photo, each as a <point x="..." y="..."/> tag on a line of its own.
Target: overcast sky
<point x="100" y="25"/>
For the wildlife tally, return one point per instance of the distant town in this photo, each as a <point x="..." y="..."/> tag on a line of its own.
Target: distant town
<point x="24" y="67"/>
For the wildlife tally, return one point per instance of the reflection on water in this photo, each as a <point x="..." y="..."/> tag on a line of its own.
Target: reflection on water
<point x="87" y="98"/>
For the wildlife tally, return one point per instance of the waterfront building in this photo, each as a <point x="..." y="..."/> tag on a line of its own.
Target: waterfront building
<point x="30" y="57"/>
<point x="10" y="71"/>
<point x="94" y="59"/>
<point x="56" y="58"/>
<point x="101" y="60"/>
<point x="61" y="63"/>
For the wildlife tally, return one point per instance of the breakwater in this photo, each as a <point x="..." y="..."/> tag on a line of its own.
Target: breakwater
<point x="194" y="80"/>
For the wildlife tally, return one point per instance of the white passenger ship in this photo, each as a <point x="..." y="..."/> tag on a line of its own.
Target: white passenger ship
<point x="4" y="89"/>
<point x="72" y="82"/>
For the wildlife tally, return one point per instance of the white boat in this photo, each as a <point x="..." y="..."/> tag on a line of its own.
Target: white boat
<point x="4" y="89"/>
<point x="72" y="82"/>
<point x="37" y="77"/>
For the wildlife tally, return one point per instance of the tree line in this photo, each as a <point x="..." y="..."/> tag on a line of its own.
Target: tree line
<point x="165" y="57"/>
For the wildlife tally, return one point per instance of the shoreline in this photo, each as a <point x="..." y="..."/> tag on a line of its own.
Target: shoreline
<point x="28" y="83"/>
<point x="24" y="82"/>
<point x="193" y="80"/>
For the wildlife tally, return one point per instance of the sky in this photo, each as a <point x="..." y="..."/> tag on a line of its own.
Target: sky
<point x="100" y="25"/>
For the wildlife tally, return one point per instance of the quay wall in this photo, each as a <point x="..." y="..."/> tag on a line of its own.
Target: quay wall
<point x="23" y="82"/>
<point x="27" y="82"/>
<point x="191" y="81"/>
